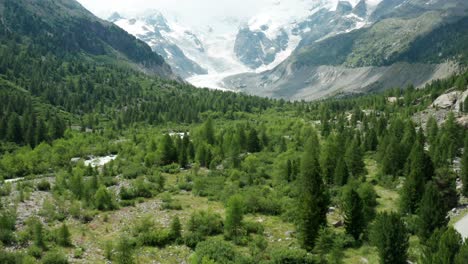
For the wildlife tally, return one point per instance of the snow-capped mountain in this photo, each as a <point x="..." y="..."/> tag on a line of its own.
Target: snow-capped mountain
<point x="207" y="54"/>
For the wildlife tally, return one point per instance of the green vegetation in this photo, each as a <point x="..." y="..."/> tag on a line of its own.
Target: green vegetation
<point x="111" y="164"/>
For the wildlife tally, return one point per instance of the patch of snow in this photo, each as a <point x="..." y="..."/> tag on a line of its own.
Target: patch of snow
<point x="136" y="28"/>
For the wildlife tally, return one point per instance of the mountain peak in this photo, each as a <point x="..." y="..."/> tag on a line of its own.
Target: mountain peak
<point x="114" y="17"/>
<point x="344" y="7"/>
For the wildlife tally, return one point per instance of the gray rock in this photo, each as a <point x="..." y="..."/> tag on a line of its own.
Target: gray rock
<point x="446" y="101"/>
<point x="254" y="48"/>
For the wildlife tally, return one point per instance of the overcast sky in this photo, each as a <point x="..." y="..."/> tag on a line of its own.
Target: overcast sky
<point x="188" y="11"/>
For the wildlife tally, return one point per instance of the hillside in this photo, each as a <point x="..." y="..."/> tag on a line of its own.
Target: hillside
<point x="101" y="162"/>
<point x="64" y="28"/>
<point x="431" y="39"/>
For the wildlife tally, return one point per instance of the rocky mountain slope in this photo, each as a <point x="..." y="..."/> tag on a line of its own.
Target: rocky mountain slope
<point x="64" y="28"/>
<point x="154" y="29"/>
<point x="407" y="42"/>
<point x="205" y="55"/>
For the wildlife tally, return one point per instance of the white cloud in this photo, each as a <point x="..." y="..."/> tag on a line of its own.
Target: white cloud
<point x="198" y="12"/>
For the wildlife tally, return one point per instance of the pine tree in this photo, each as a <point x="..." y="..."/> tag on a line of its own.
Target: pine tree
<point x="103" y="199"/>
<point x="253" y="142"/>
<point x="14" y="131"/>
<point x="125" y="251"/>
<point x="209" y="131"/>
<point x="328" y="158"/>
<point x="313" y="201"/>
<point x="354" y="159"/>
<point x="369" y="199"/>
<point x="234" y="214"/>
<point x="175" y="229"/>
<point x="64" y="236"/>
<point x="432" y="213"/>
<point x="39" y="235"/>
<point x="389" y="235"/>
<point x="341" y="173"/>
<point x="449" y="245"/>
<point x="464" y="168"/>
<point x="166" y="151"/>
<point x="353" y="208"/>
<point x="371" y="140"/>
<point x="462" y="254"/>
<point x="420" y="172"/>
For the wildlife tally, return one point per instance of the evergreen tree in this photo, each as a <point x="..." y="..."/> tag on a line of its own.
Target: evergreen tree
<point x="442" y="247"/>
<point x="328" y="159"/>
<point x="175" y="229"/>
<point x="462" y="254"/>
<point x="449" y="245"/>
<point x="391" y="238"/>
<point x="209" y="131"/>
<point x="420" y="172"/>
<point x="234" y="214"/>
<point x="253" y="142"/>
<point x="341" y="173"/>
<point x="354" y="159"/>
<point x="369" y="199"/>
<point x="313" y="201"/>
<point x="371" y="140"/>
<point x="125" y="251"/>
<point x="39" y="235"/>
<point x="464" y="168"/>
<point x="353" y="208"/>
<point x="14" y="131"/>
<point x="235" y="150"/>
<point x="432" y="130"/>
<point x="166" y="151"/>
<point x="103" y="199"/>
<point x="432" y="213"/>
<point x="64" y="236"/>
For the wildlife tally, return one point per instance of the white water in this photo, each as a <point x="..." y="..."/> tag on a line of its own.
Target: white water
<point x="99" y="161"/>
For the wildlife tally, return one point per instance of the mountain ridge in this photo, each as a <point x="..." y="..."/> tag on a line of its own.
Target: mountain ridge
<point x="65" y="27"/>
<point x="391" y="45"/>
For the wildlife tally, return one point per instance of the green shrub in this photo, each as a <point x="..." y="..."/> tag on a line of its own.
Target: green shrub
<point x="5" y="189"/>
<point x="205" y="223"/>
<point x="253" y="227"/>
<point x="54" y="257"/>
<point x="169" y="203"/>
<point x="156" y="238"/>
<point x="293" y="256"/>
<point x="9" y="257"/>
<point x="132" y="171"/>
<point x="43" y="186"/>
<point x="208" y="186"/>
<point x="217" y="251"/>
<point x="191" y="239"/>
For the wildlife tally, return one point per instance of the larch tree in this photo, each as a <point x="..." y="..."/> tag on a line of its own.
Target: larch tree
<point x="312" y="200"/>
<point x="432" y="213"/>
<point x="353" y="207"/>
<point x="390" y="236"/>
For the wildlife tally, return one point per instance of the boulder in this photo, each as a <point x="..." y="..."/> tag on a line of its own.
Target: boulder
<point x="446" y="101"/>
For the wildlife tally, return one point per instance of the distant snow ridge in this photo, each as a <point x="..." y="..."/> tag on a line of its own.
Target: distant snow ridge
<point x="206" y="55"/>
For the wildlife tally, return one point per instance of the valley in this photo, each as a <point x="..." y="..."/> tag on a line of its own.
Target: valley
<point x="282" y="132"/>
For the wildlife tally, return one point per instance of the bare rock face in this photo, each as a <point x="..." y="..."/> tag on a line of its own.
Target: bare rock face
<point x="446" y="101"/>
<point x="450" y="102"/>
